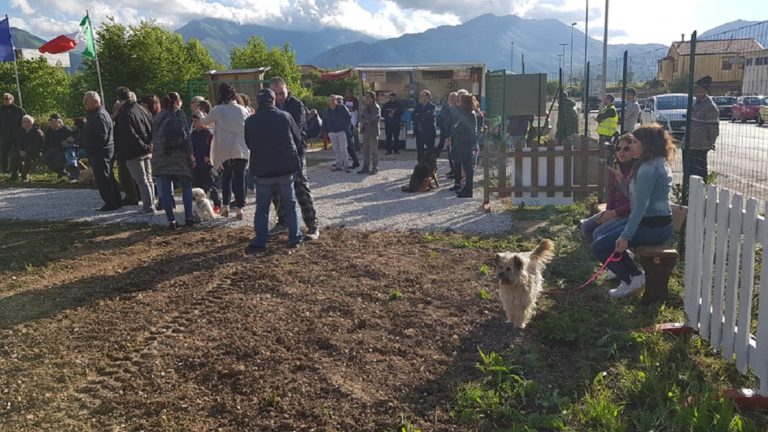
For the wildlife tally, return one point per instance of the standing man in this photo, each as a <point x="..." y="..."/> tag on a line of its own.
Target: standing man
<point x="445" y="121"/>
<point x="392" y="111"/>
<point x="369" y="126"/>
<point x="705" y="128"/>
<point x="271" y="135"/>
<point x="353" y="105"/>
<point x="98" y="141"/>
<point x="424" y="124"/>
<point x="133" y="130"/>
<point x="607" y="120"/>
<point x="631" y="111"/>
<point x="336" y="122"/>
<point x="10" y="133"/>
<point x="285" y="101"/>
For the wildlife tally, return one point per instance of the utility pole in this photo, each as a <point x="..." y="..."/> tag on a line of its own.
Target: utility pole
<point x="570" y="74"/>
<point x="585" y="85"/>
<point x="512" y="60"/>
<point x="605" y="49"/>
<point x="560" y="61"/>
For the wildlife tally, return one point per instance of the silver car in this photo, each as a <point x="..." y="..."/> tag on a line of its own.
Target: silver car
<point x="668" y="110"/>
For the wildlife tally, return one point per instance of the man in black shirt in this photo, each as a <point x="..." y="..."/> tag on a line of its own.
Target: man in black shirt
<point x="392" y="111"/>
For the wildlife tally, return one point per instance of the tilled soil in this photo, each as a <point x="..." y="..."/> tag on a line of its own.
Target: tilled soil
<point x="142" y="330"/>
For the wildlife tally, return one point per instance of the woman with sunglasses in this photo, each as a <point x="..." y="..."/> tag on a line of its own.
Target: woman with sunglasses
<point x="650" y="218"/>
<point x="617" y="206"/>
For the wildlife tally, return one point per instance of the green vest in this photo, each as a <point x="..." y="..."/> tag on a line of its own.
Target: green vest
<point x="609" y="125"/>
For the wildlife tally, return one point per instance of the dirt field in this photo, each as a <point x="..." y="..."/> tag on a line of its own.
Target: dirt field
<point x="130" y="328"/>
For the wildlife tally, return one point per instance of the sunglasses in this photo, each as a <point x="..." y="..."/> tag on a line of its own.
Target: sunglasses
<point x="622" y="149"/>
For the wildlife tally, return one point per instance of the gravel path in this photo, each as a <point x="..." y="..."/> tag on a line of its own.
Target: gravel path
<point x="341" y="199"/>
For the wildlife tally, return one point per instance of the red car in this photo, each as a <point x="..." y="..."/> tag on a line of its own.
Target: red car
<point x="746" y="108"/>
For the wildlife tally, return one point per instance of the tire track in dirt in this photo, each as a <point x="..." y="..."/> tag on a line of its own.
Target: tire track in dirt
<point x="123" y="369"/>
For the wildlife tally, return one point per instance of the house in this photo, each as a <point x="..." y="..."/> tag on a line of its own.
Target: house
<point x="755" y="73"/>
<point x="723" y="60"/>
<point x="248" y="81"/>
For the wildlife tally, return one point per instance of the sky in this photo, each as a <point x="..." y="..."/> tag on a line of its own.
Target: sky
<point x="630" y="21"/>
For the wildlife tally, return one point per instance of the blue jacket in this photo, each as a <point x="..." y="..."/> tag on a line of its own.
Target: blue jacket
<point x="337" y="119"/>
<point x="648" y="194"/>
<point x="271" y="135"/>
<point x="423" y="118"/>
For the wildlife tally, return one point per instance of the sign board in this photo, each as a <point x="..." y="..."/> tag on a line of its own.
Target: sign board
<point x="60" y="60"/>
<point x="516" y="94"/>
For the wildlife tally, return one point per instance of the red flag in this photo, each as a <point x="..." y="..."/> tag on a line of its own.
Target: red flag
<point x="60" y="44"/>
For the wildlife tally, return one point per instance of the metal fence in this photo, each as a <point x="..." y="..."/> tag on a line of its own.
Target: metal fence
<point x="737" y="62"/>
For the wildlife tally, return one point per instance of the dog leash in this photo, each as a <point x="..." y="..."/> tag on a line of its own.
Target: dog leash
<point x="615" y="257"/>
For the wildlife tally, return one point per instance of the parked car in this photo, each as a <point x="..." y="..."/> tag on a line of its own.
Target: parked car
<point x="746" y="108"/>
<point x="594" y="103"/>
<point x="762" y="114"/>
<point x="668" y="110"/>
<point x="725" y="105"/>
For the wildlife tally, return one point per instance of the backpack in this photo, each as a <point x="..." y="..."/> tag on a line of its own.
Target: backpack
<point x="175" y="133"/>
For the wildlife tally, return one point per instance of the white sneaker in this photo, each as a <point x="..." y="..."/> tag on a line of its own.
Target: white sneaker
<point x="609" y="275"/>
<point x="635" y="286"/>
<point x="239" y="214"/>
<point x="313" y="234"/>
<point x="224" y="211"/>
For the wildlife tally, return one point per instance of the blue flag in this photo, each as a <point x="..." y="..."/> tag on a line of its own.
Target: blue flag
<point x="6" y="43"/>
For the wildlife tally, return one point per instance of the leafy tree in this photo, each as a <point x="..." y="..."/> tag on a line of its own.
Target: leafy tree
<point x="679" y="84"/>
<point x="281" y="62"/>
<point x="146" y="57"/>
<point x="44" y="88"/>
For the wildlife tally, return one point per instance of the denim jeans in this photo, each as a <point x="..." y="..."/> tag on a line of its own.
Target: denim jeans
<point x="590" y="229"/>
<point x="605" y="243"/>
<point x="141" y="171"/>
<point x="166" y="195"/>
<point x="72" y="155"/>
<point x="264" y="189"/>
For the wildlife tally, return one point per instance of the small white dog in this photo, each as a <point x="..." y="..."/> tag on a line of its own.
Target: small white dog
<point x="520" y="281"/>
<point x="201" y="206"/>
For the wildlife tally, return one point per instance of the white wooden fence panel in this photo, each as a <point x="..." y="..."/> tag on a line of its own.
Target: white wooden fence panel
<point x="734" y="271"/>
<point x="749" y="231"/>
<point x="716" y="323"/>
<point x="760" y="357"/>
<point x="694" y="247"/>
<point x="710" y="219"/>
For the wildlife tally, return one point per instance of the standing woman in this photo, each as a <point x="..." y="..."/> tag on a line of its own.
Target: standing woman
<point x="229" y="150"/>
<point x="172" y="157"/>
<point x="650" y="217"/>
<point x="464" y="143"/>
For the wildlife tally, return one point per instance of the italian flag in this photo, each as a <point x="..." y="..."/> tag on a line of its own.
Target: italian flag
<point x="82" y="40"/>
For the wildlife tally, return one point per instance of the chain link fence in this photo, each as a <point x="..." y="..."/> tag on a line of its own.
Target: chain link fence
<point x="737" y="62"/>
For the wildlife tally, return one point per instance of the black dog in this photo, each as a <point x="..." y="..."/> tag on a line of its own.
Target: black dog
<point x="423" y="173"/>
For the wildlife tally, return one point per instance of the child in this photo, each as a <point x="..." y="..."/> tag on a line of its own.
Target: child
<point x="202" y="172"/>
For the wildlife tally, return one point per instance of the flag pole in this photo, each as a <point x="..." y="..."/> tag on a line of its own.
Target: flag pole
<point x="96" y="57"/>
<point x="15" y="65"/>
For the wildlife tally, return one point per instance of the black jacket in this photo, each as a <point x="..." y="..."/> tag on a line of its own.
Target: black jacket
<point x="10" y="124"/>
<point x="295" y="108"/>
<point x="390" y="108"/>
<point x="54" y="139"/>
<point x="133" y="132"/>
<point x="32" y="142"/>
<point x="464" y="137"/>
<point x="424" y="120"/>
<point x="337" y="119"/>
<point x="271" y="136"/>
<point x="444" y="121"/>
<point x="98" y="133"/>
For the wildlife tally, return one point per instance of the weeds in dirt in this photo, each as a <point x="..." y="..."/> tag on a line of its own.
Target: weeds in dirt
<point x="484" y="294"/>
<point x="395" y="295"/>
<point x="485" y="270"/>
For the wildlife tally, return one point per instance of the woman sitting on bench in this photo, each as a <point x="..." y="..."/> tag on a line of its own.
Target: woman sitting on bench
<point x="650" y="217"/>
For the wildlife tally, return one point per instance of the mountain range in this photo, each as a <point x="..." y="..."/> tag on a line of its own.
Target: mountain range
<point x="487" y="38"/>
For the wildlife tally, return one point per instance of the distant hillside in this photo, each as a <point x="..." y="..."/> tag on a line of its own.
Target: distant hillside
<point x="24" y="39"/>
<point x="486" y="38"/>
<point x="739" y="29"/>
<point x="220" y="36"/>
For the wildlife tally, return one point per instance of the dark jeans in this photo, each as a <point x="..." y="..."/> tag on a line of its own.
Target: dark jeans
<point x="695" y="163"/>
<point x="28" y="165"/>
<point x="605" y="243"/>
<point x="104" y="174"/>
<point x="351" y="149"/>
<point x="303" y="196"/>
<point x="264" y="190"/>
<point x="392" y="136"/>
<point x="466" y="163"/>
<point x="424" y="143"/>
<point x="166" y="194"/>
<point x="233" y="181"/>
<point x="5" y="152"/>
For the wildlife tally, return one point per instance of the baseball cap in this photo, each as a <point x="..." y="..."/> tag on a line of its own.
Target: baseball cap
<point x="265" y="95"/>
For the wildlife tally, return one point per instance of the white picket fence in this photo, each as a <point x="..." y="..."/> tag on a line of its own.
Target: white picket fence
<point x="720" y="254"/>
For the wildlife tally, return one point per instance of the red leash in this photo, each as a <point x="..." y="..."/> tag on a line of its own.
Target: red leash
<point x="615" y="256"/>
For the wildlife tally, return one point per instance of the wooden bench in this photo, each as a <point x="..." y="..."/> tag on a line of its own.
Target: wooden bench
<point x="658" y="261"/>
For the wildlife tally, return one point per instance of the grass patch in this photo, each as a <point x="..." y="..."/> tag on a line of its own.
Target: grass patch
<point x="42" y="179"/>
<point x="593" y="370"/>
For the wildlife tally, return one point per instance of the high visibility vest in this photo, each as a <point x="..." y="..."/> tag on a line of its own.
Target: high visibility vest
<point x="609" y="125"/>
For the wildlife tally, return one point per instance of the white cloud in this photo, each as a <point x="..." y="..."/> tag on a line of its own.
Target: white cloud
<point x="23" y="6"/>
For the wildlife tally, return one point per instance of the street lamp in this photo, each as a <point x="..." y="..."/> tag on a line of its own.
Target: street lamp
<point x="560" y="61"/>
<point x="563" y="45"/>
<point x="570" y="74"/>
<point x="586" y="36"/>
<point x="512" y="60"/>
<point x="605" y="49"/>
